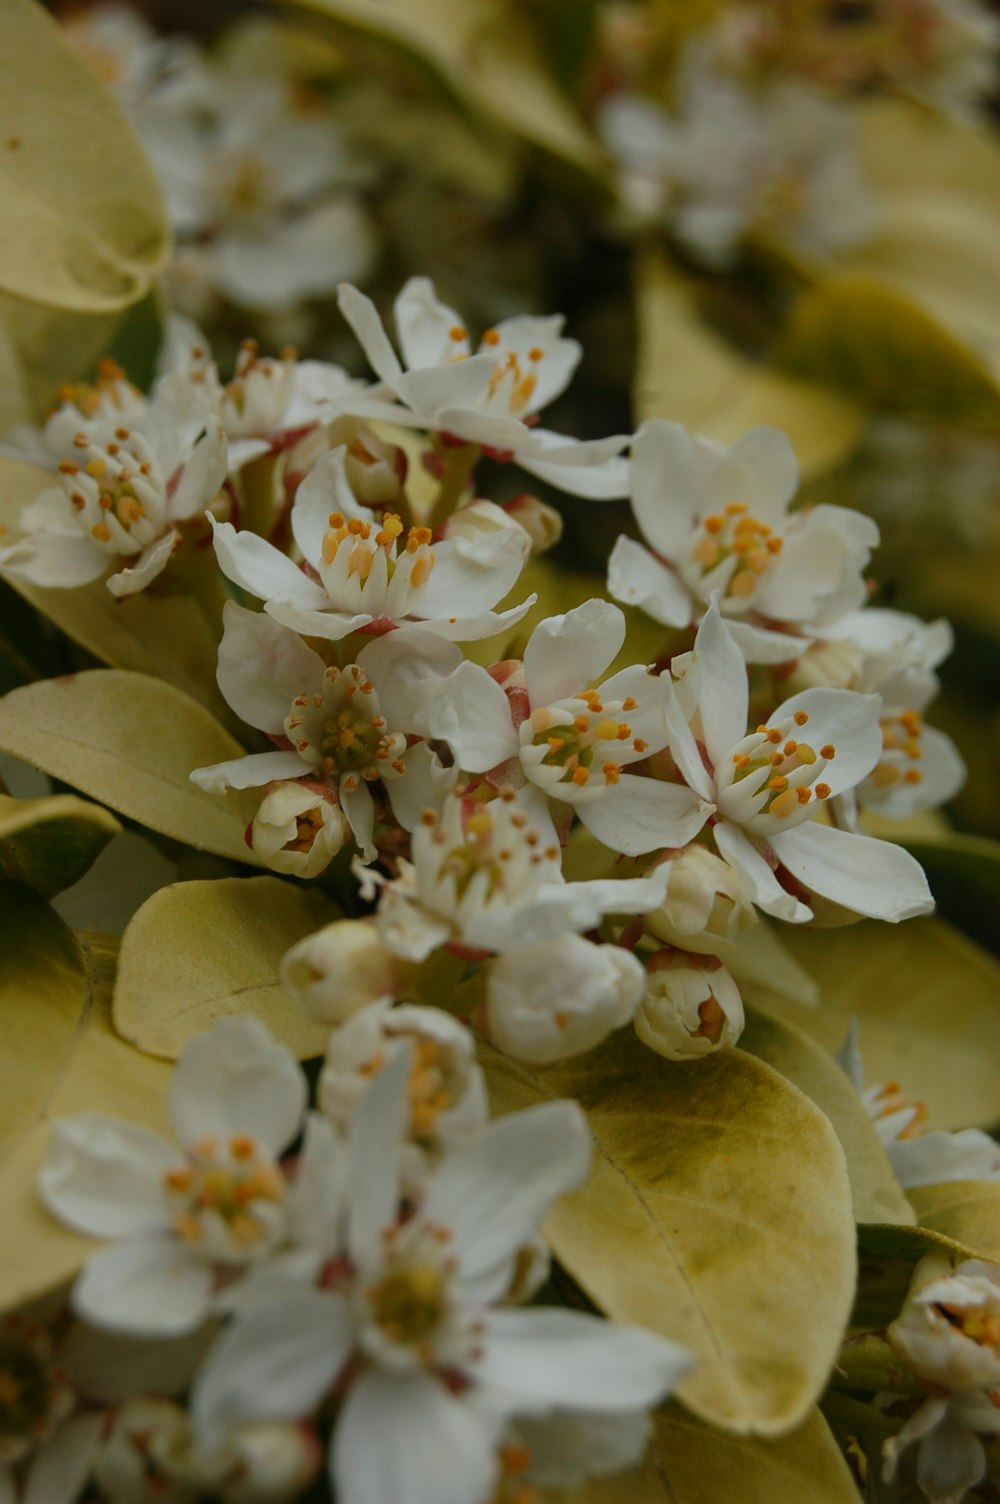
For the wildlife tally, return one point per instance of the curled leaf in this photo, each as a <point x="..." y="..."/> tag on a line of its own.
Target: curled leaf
<point x="50" y="843"/>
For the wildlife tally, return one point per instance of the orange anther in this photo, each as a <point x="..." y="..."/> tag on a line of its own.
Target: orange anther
<point x="457" y="332"/>
<point x="822" y="790"/>
<point x="491" y="337"/>
<point x="580" y="776"/>
<point x="828" y="751"/>
<point x="800" y="717"/>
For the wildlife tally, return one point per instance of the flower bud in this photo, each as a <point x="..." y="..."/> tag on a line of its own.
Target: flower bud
<point x="705" y="908"/>
<point x="948" y="1332"/>
<point x="562" y="997"/>
<point x="690" y="1009"/>
<point x="341" y="968"/>
<point x="297" y="830"/>
<point x="446" y="1088"/>
<point x="542" y="523"/>
<point x="375" y="468"/>
<point x="831" y="664"/>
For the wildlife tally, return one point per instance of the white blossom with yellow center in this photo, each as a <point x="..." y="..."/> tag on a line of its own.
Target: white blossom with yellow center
<point x="237" y="1099"/>
<point x="716" y="521"/>
<point x="760" y="791"/>
<point x="366" y="568"/>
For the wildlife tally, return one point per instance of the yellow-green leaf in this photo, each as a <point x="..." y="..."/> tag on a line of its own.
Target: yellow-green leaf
<point x="966" y="1210"/>
<point x="131" y="633"/>
<point x="876" y="1193"/>
<point x="198" y="951"/>
<point x="60" y="1056"/>
<point x="911" y="320"/>
<point x="689" y="374"/>
<point x="85" y="223"/>
<point x="691" y="1463"/>
<point x="50" y="843"/>
<point x="717" y="1212"/>
<point x="489" y="56"/>
<point x="131" y="742"/>
<point x="927" y="1001"/>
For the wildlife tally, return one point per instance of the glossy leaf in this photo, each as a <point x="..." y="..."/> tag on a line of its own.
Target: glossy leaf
<point x="966" y="1210"/>
<point x="689" y="374"/>
<point x="50" y="843"/>
<point x="927" y="1003"/>
<point x="717" y="1213"/>
<point x="875" y="1191"/>
<point x="489" y="55"/>
<point x="60" y="1056"/>
<point x="690" y="1463"/>
<point x="86" y="223"/>
<point x="198" y="951"/>
<point x="131" y="742"/>
<point x="129" y="633"/>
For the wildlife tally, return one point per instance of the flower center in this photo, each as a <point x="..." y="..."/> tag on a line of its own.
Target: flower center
<point x="583" y="731"/>
<point x="500" y="857"/>
<point x="245" y="184"/>
<point x="409" y="1304"/>
<point x="110" y="395"/>
<point x="979" y="1325"/>
<point x="514" y="375"/>
<point x="734" y="535"/>
<point x="340" y="729"/>
<point x="772" y="773"/>
<point x="351" y="543"/>
<point x="900" y="750"/>
<point x="116" y="491"/>
<point x="226" y="1182"/>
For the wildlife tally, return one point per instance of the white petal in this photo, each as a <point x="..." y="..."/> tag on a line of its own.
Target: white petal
<point x="482" y="624"/>
<point x="422" y="785"/>
<point x="493" y="1194"/>
<point x="262" y="667"/>
<point x="62" y="1462"/>
<point x="545" y="1358"/>
<point x="151" y="562"/>
<point x="848" y="721"/>
<point x="470" y="712"/>
<point x="758" y="645"/>
<point x="309" y="622"/>
<point x="566" y="653"/>
<point x="59" y="559"/>
<point x="871" y="877"/>
<point x="316" y="1200"/>
<point x="380" y="1125"/>
<point x="104" y="1176"/>
<point x="203" y="473"/>
<point x="683" y="746"/>
<point x="471" y="573"/>
<point x="666" y="482"/>
<point x="637" y="815"/>
<point x="765" y="889"/>
<point x="237" y="1079"/>
<point x="934" y="1158"/>
<point x="723" y="694"/>
<point x="324" y="490"/>
<point x="405" y="1439"/>
<point x="148" y="1286"/>
<point x="275" y="1363"/>
<point x="440" y="393"/>
<point x="359" y="812"/>
<point x="262" y="570"/>
<point x="248" y="772"/>
<point x="424" y="326"/>
<point x="637" y="578"/>
<point x="362" y="315"/>
<point x="951" y="1460"/>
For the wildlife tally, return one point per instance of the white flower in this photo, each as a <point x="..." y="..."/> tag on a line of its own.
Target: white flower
<point x="237" y="1099"/>
<point x="690" y="1008"/>
<point x="435" y="1367"/>
<point x="343" y="730"/>
<point x="948" y="1332"/>
<point x="298" y="828"/>
<point x="762" y="788"/>
<point x="951" y="1458"/>
<point x="367" y="569"/>
<point x="110" y="399"/>
<point x="566" y="1448"/>
<point x="340" y="969"/>
<point x="717" y="522"/>
<point x="551" y="1001"/>
<point x="122" y="497"/>
<point x="487" y="398"/>
<point x="484" y="878"/>
<point x="446" y="1089"/>
<point x="707" y="907"/>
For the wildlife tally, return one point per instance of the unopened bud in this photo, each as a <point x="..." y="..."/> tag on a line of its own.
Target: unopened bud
<point x="689" y="1009"/>
<point x="542" y="523"/>
<point x="297" y="830"/>
<point x="341" y="968"/>
<point x="831" y="664"/>
<point x="557" y="999"/>
<point x="706" y="908"/>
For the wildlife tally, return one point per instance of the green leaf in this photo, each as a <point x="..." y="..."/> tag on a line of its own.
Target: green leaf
<point x="85" y="220"/>
<point x="50" y="843"/>
<point x="689" y="374"/>
<point x="927" y="1001"/>
<point x="131" y="742"/>
<point x="717" y="1212"/>
<point x="876" y="1193"/>
<point x="60" y="1056"/>
<point x="691" y="1463"/>
<point x="129" y="633"/>
<point x="489" y="56"/>
<point x="911" y="320"/>
<point x="198" y="951"/>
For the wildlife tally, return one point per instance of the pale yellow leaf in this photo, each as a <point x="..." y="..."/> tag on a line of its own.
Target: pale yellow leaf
<point x="130" y="633"/>
<point x="131" y="742"/>
<point x="927" y="1001"/>
<point x="85" y="223"/>
<point x="717" y="1212"/>
<point x="689" y="374"/>
<point x="876" y="1193"/>
<point x="60" y="1056"/>
<point x="198" y="951"/>
<point x="50" y="843"/>
<point x="966" y="1210"/>
<point x="691" y="1463"/>
<point x="489" y="56"/>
